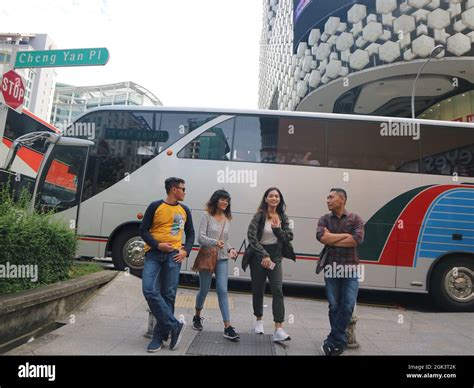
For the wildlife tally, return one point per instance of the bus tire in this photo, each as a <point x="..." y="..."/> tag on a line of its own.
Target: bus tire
<point x="453" y="293"/>
<point x="127" y="251"/>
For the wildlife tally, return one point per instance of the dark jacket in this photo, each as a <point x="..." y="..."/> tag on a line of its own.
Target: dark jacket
<point x="254" y="234"/>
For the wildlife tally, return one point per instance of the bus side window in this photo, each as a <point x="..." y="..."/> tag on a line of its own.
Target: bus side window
<point x="213" y="144"/>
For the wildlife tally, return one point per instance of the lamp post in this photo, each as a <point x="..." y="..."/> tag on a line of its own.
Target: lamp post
<point x="435" y="52"/>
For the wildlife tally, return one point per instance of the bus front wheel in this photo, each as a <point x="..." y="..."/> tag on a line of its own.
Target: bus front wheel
<point x="452" y="284"/>
<point x="128" y="251"/>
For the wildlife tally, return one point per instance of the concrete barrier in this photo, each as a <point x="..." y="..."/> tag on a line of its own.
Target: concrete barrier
<point x="24" y="313"/>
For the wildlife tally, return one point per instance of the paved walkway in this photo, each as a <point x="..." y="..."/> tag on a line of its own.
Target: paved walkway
<point x="115" y="320"/>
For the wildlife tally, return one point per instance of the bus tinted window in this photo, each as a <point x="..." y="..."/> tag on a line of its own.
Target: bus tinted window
<point x="213" y="144"/>
<point x="285" y="140"/>
<point x="176" y="125"/>
<point x="124" y="141"/>
<point x="447" y="150"/>
<point x="368" y="145"/>
<point x="250" y="135"/>
<point x="301" y="141"/>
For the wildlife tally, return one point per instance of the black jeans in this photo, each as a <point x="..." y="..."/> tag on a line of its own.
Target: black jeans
<point x="259" y="276"/>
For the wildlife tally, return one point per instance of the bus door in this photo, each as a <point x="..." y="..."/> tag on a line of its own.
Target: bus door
<point x="60" y="181"/>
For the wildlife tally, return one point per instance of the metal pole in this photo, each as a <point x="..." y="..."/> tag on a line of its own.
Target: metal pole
<point x="414" y="88"/>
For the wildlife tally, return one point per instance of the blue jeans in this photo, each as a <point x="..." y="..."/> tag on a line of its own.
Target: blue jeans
<point x="159" y="283"/>
<point x="205" y="278"/>
<point x="342" y="297"/>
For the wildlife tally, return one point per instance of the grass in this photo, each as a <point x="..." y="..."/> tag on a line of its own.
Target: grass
<point x="81" y="269"/>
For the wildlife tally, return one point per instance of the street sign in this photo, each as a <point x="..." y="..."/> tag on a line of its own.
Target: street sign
<point x="13" y="90"/>
<point x="61" y="58"/>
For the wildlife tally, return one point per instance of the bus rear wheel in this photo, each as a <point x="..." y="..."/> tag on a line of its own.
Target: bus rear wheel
<point x="128" y="252"/>
<point x="453" y="284"/>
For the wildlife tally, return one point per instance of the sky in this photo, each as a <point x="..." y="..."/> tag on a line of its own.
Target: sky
<point x="195" y="53"/>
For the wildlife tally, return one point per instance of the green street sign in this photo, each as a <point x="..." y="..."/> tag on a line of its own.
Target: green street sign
<point x="61" y="58"/>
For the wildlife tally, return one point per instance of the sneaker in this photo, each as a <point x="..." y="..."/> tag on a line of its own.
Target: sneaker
<point x="329" y="350"/>
<point x="280" y="335"/>
<point x="176" y="335"/>
<point x="154" y="346"/>
<point x="259" y="327"/>
<point x="230" y="333"/>
<point x="197" y="322"/>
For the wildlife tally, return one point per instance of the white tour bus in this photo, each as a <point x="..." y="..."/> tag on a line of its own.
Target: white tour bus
<point x="412" y="182"/>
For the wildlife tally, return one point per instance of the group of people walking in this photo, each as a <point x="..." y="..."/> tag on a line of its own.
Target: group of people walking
<point x="269" y="241"/>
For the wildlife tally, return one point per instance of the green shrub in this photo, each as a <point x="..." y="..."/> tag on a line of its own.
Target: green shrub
<point x="33" y="239"/>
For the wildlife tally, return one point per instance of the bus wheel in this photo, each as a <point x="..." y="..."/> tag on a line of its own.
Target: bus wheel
<point x="128" y="252"/>
<point x="452" y="284"/>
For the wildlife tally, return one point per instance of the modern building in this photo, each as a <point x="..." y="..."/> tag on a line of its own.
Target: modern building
<point x="39" y="82"/>
<point x="363" y="56"/>
<point x="70" y="101"/>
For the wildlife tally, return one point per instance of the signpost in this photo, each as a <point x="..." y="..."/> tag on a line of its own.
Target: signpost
<point x="13" y="90"/>
<point x="12" y="87"/>
<point x="62" y="58"/>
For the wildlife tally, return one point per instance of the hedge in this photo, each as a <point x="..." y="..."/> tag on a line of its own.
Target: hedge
<point x="32" y="239"/>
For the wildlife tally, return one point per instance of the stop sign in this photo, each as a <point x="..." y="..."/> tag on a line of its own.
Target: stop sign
<point x="13" y="89"/>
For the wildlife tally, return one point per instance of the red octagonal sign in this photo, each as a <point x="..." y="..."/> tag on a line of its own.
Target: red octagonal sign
<point x="13" y="89"/>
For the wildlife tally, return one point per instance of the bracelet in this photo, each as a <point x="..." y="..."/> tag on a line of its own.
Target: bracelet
<point x="228" y="250"/>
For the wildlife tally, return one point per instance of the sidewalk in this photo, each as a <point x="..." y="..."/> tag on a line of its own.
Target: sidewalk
<point x="115" y="320"/>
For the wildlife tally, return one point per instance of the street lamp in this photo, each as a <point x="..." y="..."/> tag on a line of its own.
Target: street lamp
<point x="435" y="52"/>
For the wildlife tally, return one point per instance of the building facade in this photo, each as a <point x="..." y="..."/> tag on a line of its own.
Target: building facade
<point x="39" y="82"/>
<point x="363" y="56"/>
<point x="71" y="101"/>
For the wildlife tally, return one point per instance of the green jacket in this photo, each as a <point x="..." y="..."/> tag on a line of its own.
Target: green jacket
<point x="254" y="234"/>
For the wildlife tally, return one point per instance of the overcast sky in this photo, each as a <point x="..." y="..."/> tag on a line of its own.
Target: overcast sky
<point x="187" y="52"/>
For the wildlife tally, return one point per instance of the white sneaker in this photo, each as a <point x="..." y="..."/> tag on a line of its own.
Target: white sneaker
<point x="280" y="335"/>
<point x="259" y="327"/>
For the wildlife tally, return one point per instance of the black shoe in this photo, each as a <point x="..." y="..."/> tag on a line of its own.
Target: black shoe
<point x="176" y="335"/>
<point x="230" y="333"/>
<point x="197" y="322"/>
<point x="329" y="350"/>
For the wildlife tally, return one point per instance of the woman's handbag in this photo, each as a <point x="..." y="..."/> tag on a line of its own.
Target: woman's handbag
<point x="323" y="256"/>
<point x="206" y="259"/>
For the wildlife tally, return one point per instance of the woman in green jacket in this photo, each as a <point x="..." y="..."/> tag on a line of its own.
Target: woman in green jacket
<point x="269" y="237"/>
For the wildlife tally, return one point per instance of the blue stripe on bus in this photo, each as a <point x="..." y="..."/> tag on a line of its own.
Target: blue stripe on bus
<point x="450" y="224"/>
<point x="445" y="247"/>
<point x="457" y="201"/>
<point x="460" y="193"/>
<point x="455" y="209"/>
<point x="447" y="239"/>
<point x="435" y="214"/>
<point x="450" y="231"/>
<point x="443" y="219"/>
<point x="428" y="254"/>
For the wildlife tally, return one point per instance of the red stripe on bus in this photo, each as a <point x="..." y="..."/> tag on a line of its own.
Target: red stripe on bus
<point x="93" y="239"/>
